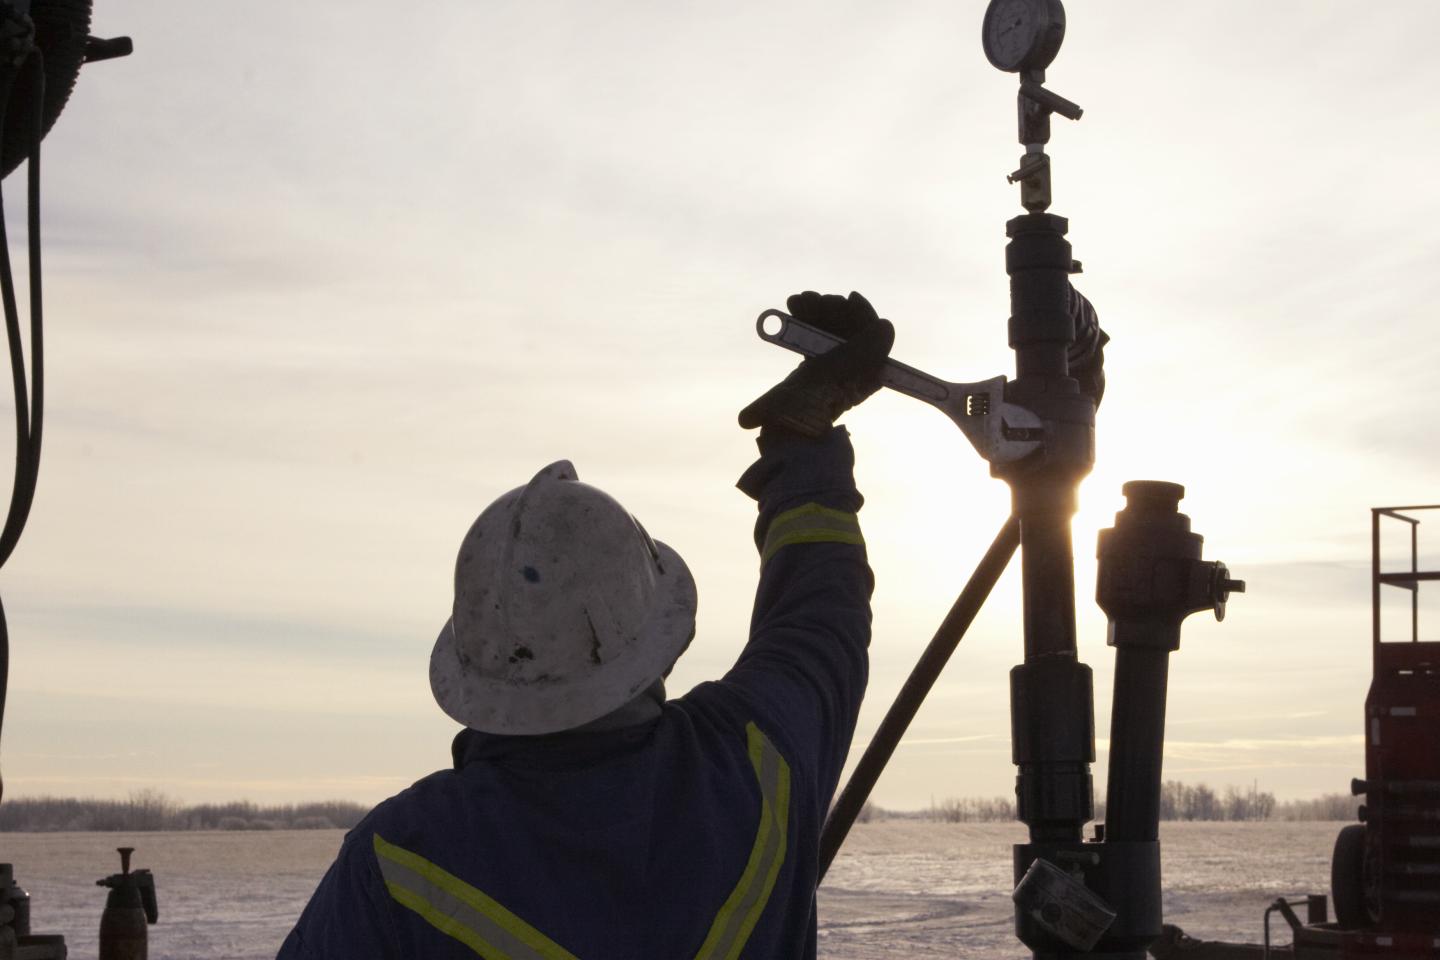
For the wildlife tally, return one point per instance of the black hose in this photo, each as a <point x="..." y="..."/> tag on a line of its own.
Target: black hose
<point x="39" y="87"/>
<point x="29" y="402"/>
<point x="17" y="355"/>
<point x="37" y="311"/>
<point x="4" y="674"/>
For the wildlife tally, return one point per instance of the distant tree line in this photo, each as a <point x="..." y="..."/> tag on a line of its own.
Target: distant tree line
<point x="1331" y="806"/>
<point x="1181" y="801"/>
<point x="972" y="809"/>
<point x="1178" y="801"/>
<point x="150" y="810"/>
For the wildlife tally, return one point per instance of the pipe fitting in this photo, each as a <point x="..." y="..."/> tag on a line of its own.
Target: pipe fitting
<point x="1150" y="575"/>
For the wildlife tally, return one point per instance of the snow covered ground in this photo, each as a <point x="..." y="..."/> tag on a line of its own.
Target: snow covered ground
<point x="927" y="890"/>
<point x="899" y="888"/>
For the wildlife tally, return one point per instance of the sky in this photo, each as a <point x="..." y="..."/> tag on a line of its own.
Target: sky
<point x="322" y="280"/>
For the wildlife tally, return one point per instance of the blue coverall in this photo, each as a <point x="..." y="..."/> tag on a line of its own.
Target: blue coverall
<point x="695" y="834"/>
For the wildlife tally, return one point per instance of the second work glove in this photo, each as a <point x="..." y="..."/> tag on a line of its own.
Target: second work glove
<point x="1087" y="353"/>
<point x="809" y="400"/>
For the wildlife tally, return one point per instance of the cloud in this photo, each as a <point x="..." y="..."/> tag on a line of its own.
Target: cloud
<point x="1228" y="750"/>
<point x="313" y="303"/>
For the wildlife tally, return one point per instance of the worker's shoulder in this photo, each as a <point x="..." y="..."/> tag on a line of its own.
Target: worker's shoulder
<point x="412" y="807"/>
<point x="729" y="713"/>
<point x="711" y="708"/>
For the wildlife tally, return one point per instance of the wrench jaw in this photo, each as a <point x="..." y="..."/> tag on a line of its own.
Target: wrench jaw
<point x="1000" y="432"/>
<point x="1019" y="433"/>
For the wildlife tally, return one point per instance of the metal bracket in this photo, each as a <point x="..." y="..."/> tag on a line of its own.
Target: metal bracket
<point x="1060" y="904"/>
<point x="1000" y="432"/>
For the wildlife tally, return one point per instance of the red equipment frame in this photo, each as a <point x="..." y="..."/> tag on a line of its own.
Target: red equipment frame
<point x="1385" y="875"/>
<point x="1401" y="863"/>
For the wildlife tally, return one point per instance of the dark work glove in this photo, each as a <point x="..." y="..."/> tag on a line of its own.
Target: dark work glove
<point x="809" y="400"/>
<point x="1087" y="353"/>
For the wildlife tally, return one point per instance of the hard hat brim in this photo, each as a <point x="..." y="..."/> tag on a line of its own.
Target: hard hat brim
<point x="494" y="706"/>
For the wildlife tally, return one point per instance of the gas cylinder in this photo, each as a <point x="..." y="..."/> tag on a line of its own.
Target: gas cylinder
<point x="129" y="909"/>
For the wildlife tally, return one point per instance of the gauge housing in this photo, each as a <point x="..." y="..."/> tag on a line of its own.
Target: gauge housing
<point x="1023" y="35"/>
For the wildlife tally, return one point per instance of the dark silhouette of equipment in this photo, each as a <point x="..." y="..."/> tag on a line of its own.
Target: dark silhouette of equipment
<point x="1385" y="871"/>
<point x="59" y="31"/>
<point x="1101" y="896"/>
<point x="43" y="44"/>
<point x="1397" y="843"/>
<point x="1098" y="897"/>
<point x="129" y="910"/>
<point x="16" y="940"/>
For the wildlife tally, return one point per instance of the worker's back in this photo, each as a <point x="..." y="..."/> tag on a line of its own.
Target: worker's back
<point x="676" y="838"/>
<point x="693" y="834"/>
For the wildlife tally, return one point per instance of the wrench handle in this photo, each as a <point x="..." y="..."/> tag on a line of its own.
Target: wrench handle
<point x="781" y="329"/>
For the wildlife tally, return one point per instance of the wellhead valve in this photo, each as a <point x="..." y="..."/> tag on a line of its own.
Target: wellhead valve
<point x="1151" y="576"/>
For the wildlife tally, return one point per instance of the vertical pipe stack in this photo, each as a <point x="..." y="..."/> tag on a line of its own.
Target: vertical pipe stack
<point x="1052" y="715"/>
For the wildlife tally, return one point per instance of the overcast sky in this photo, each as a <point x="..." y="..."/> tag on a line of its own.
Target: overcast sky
<point x="324" y="279"/>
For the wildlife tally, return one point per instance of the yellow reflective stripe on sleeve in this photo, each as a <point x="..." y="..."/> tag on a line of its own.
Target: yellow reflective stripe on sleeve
<point x="457" y="909"/>
<point x="737" y="918"/>
<point x="811" y="523"/>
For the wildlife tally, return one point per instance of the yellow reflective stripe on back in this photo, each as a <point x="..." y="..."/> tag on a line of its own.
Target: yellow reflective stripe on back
<point x="737" y="918"/>
<point x="811" y="523"/>
<point x="459" y="910"/>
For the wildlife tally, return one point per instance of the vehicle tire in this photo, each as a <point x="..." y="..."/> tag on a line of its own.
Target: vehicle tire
<point x="1347" y="877"/>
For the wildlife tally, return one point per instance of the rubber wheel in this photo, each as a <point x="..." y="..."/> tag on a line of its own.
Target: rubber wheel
<point x="1347" y="877"/>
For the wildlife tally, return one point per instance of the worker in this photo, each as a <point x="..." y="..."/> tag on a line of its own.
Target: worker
<point x="586" y="816"/>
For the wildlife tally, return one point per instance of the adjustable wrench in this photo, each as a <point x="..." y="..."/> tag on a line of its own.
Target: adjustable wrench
<point x="1001" y="432"/>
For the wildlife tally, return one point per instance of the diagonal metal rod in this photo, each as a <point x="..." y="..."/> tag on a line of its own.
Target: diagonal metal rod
<point x="916" y="687"/>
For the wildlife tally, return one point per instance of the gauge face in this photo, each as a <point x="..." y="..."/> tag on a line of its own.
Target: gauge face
<point x="1023" y="34"/>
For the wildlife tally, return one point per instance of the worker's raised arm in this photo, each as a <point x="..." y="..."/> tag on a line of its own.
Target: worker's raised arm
<point x="805" y="662"/>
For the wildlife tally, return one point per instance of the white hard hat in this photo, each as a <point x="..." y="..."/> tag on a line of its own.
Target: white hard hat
<point x="565" y="609"/>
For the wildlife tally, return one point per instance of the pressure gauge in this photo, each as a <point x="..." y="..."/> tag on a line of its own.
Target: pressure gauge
<point x="1023" y="34"/>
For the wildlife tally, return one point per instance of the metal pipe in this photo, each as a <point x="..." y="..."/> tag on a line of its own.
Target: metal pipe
<point x="1375" y="592"/>
<point x="1051" y="700"/>
<point x="1048" y="573"/>
<point x="913" y="692"/>
<point x="1137" y="744"/>
<point x="1414" y="587"/>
